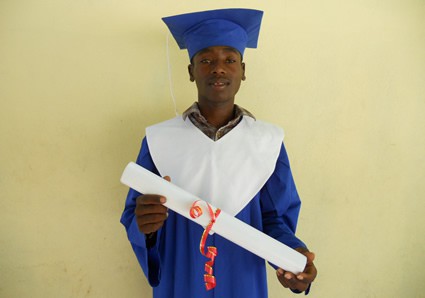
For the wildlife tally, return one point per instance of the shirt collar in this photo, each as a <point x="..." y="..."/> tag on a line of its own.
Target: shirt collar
<point x="194" y="108"/>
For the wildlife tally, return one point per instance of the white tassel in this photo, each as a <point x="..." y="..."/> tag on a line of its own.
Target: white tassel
<point x="170" y="79"/>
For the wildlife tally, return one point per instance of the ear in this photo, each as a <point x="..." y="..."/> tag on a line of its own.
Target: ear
<point x="190" y="69"/>
<point x="243" y="71"/>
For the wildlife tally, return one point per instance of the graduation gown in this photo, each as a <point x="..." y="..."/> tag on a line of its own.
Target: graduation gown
<point x="174" y="266"/>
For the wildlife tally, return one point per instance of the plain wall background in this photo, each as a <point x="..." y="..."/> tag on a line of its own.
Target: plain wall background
<point x="80" y="80"/>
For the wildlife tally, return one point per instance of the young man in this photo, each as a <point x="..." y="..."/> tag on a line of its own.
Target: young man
<point x="221" y="153"/>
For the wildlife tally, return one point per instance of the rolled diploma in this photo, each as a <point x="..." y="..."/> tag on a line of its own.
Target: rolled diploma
<point x="227" y="226"/>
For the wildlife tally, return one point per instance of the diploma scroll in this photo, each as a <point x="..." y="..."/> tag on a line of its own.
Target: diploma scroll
<point x="227" y="226"/>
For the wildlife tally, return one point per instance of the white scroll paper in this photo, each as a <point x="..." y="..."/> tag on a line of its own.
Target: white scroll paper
<point x="226" y="226"/>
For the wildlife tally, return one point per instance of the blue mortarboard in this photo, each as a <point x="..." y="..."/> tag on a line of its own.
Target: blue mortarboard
<point x="235" y="27"/>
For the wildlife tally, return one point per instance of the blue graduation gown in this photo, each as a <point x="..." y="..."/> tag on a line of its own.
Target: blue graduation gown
<point x="174" y="266"/>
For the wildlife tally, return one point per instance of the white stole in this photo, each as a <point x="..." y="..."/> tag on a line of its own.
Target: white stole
<point x="228" y="172"/>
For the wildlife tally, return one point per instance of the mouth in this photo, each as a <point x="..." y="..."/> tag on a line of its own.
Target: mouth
<point x="219" y="84"/>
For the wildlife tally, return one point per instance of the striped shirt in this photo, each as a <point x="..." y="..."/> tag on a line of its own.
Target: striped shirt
<point x="209" y="130"/>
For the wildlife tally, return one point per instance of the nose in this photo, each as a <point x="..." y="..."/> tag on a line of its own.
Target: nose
<point x="218" y="68"/>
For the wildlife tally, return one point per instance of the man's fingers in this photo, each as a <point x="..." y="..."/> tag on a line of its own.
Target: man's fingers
<point x="290" y="280"/>
<point x="149" y="209"/>
<point x="152" y="218"/>
<point x="150" y="212"/>
<point x="309" y="273"/>
<point x="146" y="210"/>
<point x="149" y="223"/>
<point x="286" y="278"/>
<point x="150" y="199"/>
<point x="310" y="257"/>
<point x="280" y="275"/>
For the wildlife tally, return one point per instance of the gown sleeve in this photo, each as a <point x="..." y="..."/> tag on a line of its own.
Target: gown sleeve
<point x="148" y="257"/>
<point x="281" y="204"/>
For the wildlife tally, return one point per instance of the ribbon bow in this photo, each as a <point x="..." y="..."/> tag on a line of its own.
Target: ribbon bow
<point x="196" y="211"/>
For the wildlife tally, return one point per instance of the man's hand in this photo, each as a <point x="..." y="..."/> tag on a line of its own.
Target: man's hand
<point x="301" y="281"/>
<point x="150" y="213"/>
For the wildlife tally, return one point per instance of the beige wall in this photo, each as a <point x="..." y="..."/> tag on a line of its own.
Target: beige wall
<point x="80" y="80"/>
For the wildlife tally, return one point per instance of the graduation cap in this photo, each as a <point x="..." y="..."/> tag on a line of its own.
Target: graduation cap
<point x="235" y="27"/>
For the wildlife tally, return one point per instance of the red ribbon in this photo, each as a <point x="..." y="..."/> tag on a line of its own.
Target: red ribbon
<point x="196" y="211"/>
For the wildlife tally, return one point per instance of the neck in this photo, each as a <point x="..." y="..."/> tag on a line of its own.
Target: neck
<point x="217" y="115"/>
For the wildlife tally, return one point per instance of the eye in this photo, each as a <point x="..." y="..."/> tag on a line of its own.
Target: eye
<point x="230" y="60"/>
<point x="205" y="61"/>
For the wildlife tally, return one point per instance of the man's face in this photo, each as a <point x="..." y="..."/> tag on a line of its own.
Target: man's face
<point x="218" y="72"/>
